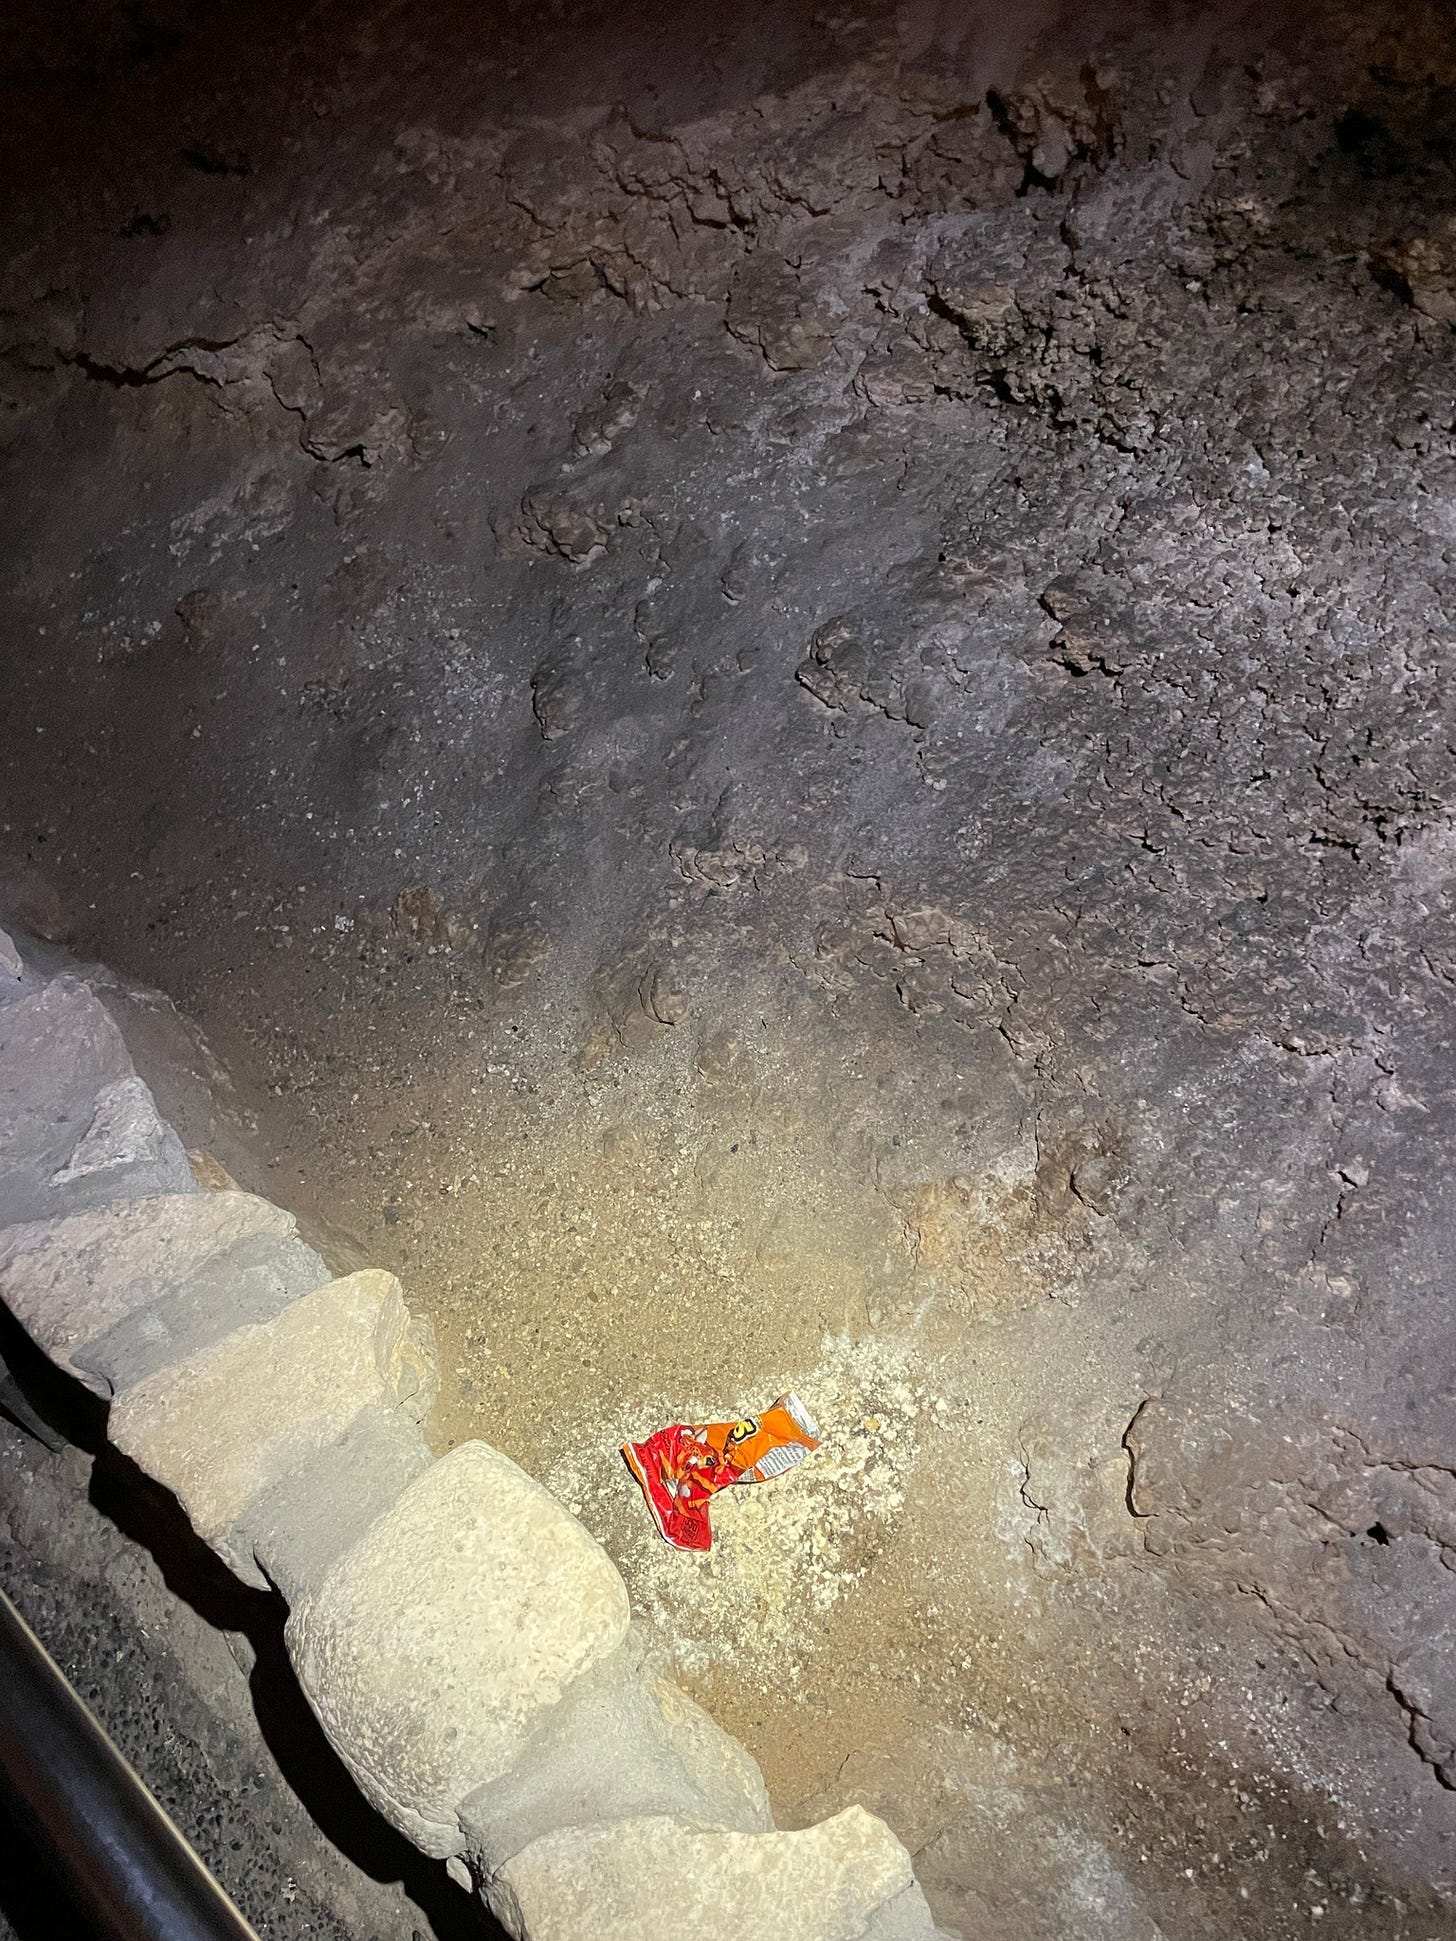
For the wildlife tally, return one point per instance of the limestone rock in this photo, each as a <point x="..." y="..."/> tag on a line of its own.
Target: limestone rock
<point x="11" y="966"/>
<point x="125" y="1130"/>
<point x="622" y="1745"/>
<point x="435" y="1645"/>
<point x="231" y="1421"/>
<point x="302" y="1525"/>
<point x="247" y="1281"/>
<point x="906" y="1917"/>
<point x="77" y="1126"/>
<point x="69" y="1281"/>
<point x="658" y="1879"/>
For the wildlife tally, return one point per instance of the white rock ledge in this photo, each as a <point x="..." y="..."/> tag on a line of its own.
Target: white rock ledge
<point x="434" y="1644"/>
<point x="232" y="1421"/>
<point x="661" y="1879"/>
<point x="68" y="1280"/>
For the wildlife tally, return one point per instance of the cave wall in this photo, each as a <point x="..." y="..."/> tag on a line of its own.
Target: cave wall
<point x="923" y="527"/>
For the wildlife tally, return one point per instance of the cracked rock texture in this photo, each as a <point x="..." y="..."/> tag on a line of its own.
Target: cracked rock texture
<point x="648" y="1877"/>
<point x="437" y="1641"/>
<point x="780" y="680"/>
<point x="75" y="1131"/>
<point x="236" y="1419"/>
<point x="76" y="1282"/>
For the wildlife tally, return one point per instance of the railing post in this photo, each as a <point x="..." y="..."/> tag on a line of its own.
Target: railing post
<point x="123" y="1863"/>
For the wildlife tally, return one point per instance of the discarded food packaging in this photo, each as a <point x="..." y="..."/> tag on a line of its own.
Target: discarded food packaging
<point x="681" y="1466"/>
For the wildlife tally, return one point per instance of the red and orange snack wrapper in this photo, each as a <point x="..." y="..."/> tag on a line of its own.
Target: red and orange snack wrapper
<point x="681" y="1466"/>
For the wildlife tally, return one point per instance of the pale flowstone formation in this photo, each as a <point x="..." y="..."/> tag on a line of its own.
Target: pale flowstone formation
<point x="465" y="1643"/>
<point x="434" y="1645"/>
<point x="68" y="1281"/>
<point x="232" y="1421"/>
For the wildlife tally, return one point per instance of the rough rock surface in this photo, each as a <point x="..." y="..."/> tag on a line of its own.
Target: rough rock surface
<point x="656" y="1879"/>
<point x="433" y="1646"/>
<point x="302" y="1525"/>
<point x="78" y="1128"/>
<point x="248" y="1280"/>
<point x="12" y="967"/>
<point x="794" y="672"/>
<point x="71" y="1282"/>
<point x="286" y="1441"/>
<point x="235" y="1419"/>
<point x="621" y="1745"/>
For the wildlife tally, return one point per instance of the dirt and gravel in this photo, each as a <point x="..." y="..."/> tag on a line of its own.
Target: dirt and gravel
<point x="779" y="684"/>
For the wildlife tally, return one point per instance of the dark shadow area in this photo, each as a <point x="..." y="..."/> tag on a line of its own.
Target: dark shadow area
<point x="38" y="1398"/>
<point x="35" y="1906"/>
<point x="151" y="1517"/>
<point x="315" y="1774"/>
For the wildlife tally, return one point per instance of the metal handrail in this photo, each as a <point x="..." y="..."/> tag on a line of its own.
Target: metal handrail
<point x="126" y="1867"/>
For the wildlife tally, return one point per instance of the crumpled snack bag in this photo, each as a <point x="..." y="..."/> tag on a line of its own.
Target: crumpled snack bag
<point x="681" y="1466"/>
